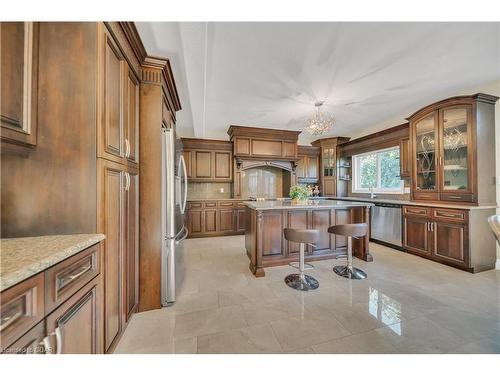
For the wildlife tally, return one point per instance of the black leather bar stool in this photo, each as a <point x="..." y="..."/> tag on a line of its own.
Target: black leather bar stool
<point x="350" y="231"/>
<point x="301" y="281"/>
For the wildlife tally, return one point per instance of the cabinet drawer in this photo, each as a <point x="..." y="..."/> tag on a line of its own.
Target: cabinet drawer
<point x="240" y="204"/>
<point x="449" y="215"/>
<point x="30" y="342"/>
<point x="423" y="196"/>
<point x="456" y="197"/>
<point x="22" y="307"/>
<point x="67" y="277"/>
<point x="195" y="205"/>
<point x="416" y="211"/>
<point x="226" y="204"/>
<point x="210" y="204"/>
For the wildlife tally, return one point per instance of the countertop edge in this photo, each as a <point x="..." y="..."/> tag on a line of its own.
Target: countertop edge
<point x="252" y="205"/>
<point x="35" y="268"/>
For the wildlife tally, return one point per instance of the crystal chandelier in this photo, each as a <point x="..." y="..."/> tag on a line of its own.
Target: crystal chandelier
<point x="320" y="123"/>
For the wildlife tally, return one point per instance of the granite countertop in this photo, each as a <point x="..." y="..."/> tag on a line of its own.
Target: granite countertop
<point x="288" y="205"/>
<point x="412" y="203"/>
<point x="21" y="258"/>
<point x="217" y="199"/>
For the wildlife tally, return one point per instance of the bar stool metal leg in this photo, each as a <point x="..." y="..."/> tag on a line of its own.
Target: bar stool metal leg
<point x="301" y="281"/>
<point x="349" y="271"/>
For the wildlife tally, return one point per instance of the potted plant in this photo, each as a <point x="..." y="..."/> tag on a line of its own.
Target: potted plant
<point x="300" y="194"/>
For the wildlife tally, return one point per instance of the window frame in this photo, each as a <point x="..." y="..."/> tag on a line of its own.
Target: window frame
<point x="356" y="175"/>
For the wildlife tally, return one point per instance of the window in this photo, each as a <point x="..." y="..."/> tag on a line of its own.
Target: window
<point x="377" y="169"/>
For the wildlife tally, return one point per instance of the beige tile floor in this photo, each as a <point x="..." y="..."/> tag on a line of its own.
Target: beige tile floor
<point x="407" y="305"/>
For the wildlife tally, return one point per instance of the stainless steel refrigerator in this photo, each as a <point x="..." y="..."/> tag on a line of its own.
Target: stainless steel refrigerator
<point x="174" y="195"/>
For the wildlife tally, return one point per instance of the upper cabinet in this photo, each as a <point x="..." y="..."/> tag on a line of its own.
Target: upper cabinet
<point x="328" y="164"/>
<point x="266" y="144"/>
<point x="208" y="160"/>
<point x="445" y="138"/>
<point x="118" y="134"/>
<point x="307" y="169"/>
<point x="19" y="77"/>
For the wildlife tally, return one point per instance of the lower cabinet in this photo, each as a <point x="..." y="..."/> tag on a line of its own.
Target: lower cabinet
<point x="67" y="322"/>
<point x="416" y="235"/>
<point x="119" y="221"/>
<point x="215" y="218"/>
<point x="438" y="234"/>
<point x="73" y="327"/>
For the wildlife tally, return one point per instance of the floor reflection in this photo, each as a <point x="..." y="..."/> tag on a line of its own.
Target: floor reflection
<point x="385" y="309"/>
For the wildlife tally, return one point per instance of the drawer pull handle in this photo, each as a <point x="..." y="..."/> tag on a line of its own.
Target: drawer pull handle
<point x="67" y="278"/>
<point x="454" y="197"/>
<point x="448" y="215"/>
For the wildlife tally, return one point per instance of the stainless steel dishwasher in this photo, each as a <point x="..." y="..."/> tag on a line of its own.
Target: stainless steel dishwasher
<point x="386" y="224"/>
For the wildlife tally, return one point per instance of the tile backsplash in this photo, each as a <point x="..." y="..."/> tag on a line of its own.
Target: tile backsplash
<point x="209" y="190"/>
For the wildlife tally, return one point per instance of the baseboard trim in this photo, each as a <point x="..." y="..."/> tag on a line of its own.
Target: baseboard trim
<point x="497" y="264"/>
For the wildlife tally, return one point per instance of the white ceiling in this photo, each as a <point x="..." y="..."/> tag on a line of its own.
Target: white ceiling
<point x="270" y="74"/>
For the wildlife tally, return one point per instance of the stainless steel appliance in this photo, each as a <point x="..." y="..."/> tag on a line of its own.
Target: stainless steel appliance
<point x="386" y="223"/>
<point x="174" y="195"/>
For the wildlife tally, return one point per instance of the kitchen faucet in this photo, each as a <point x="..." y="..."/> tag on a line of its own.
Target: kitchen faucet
<point x="372" y="195"/>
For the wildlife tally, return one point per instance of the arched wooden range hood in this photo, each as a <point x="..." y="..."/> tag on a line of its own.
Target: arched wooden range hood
<point x="257" y="147"/>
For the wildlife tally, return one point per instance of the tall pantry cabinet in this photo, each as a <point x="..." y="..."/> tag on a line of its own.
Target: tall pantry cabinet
<point x="118" y="80"/>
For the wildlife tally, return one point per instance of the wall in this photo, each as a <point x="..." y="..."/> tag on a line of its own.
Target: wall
<point x="52" y="189"/>
<point x="492" y="88"/>
<point x="209" y="190"/>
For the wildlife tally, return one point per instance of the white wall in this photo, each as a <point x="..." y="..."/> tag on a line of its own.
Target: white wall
<point x="492" y="88"/>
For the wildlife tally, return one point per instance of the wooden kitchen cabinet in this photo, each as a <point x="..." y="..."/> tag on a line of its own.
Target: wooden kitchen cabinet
<point x="452" y="150"/>
<point x="75" y="323"/>
<point x="118" y="133"/>
<point x="118" y="213"/>
<point x="30" y="342"/>
<point x="308" y="164"/>
<point x="227" y="220"/>
<point x="208" y="160"/>
<point x="131" y="110"/>
<point x="131" y="259"/>
<point x="440" y="234"/>
<point x="404" y="158"/>
<point x="416" y="235"/>
<point x="19" y="76"/>
<point x="215" y="218"/>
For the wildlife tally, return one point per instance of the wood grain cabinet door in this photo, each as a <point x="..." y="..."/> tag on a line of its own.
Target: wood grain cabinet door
<point x="416" y="235"/>
<point x="240" y="220"/>
<point x="112" y="184"/>
<point x="223" y="163"/>
<point x="300" y="170"/>
<point x="210" y="221"/>
<point x="74" y="328"/>
<point x="131" y="117"/>
<point x="404" y="158"/>
<point x="312" y="166"/>
<point x="131" y="259"/>
<point x="202" y="164"/>
<point x="111" y="132"/>
<point x="194" y="221"/>
<point x="451" y="242"/>
<point x="226" y="220"/>
<point x="19" y="77"/>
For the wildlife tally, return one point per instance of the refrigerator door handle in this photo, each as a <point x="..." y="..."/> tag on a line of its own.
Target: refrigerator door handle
<point x="186" y="232"/>
<point x="184" y="171"/>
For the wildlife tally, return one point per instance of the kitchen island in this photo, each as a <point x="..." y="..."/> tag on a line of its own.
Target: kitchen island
<point x="265" y="221"/>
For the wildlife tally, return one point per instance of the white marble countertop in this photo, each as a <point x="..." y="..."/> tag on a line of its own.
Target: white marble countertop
<point x="21" y="258"/>
<point x="311" y="204"/>
<point x="413" y="203"/>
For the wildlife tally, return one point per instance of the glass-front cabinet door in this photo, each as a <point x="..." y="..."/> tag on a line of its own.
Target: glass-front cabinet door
<point x="455" y="146"/>
<point x="328" y="162"/>
<point x="425" y="148"/>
